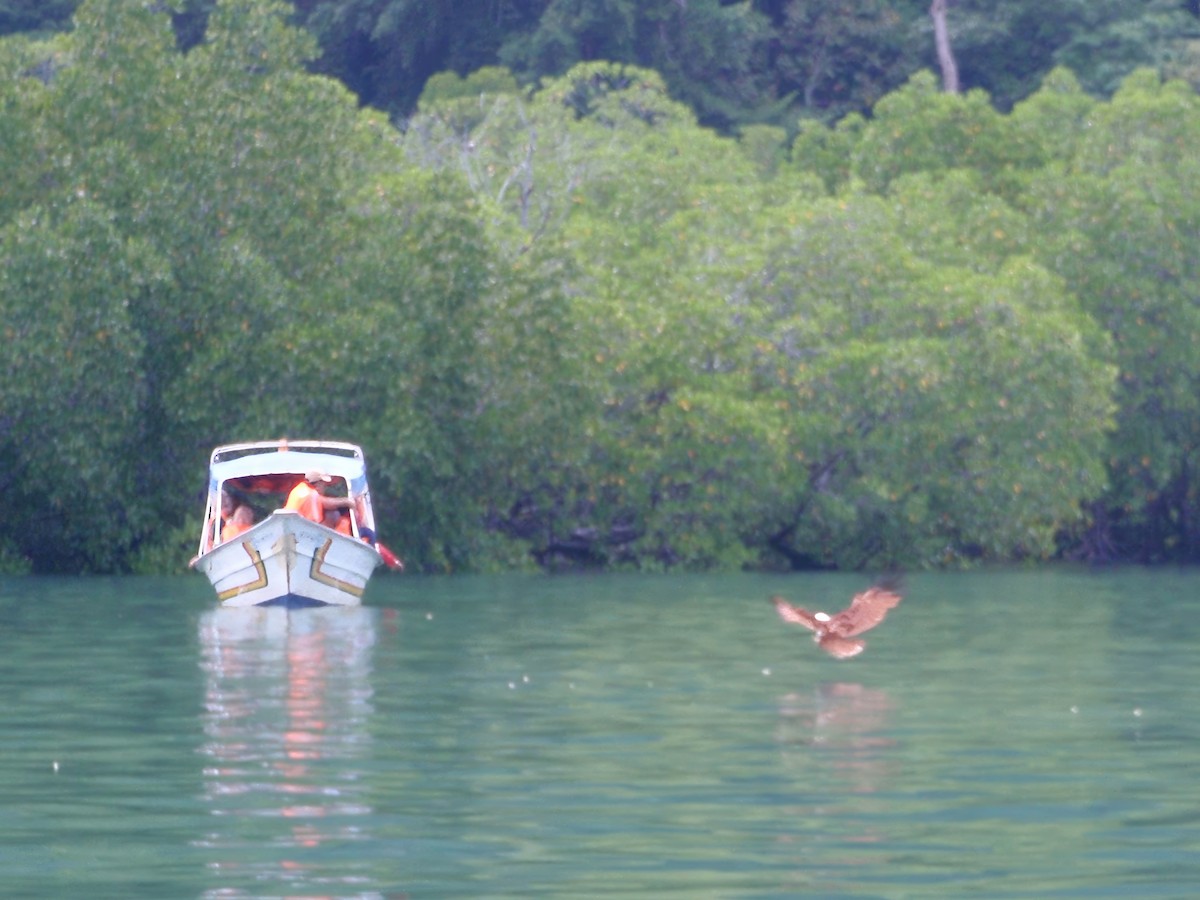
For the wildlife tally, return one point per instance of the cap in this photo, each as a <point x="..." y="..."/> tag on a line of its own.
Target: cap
<point x="314" y="476"/>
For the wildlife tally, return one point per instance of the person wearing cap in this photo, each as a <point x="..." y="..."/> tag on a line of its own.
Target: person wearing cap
<point x="307" y="498"/>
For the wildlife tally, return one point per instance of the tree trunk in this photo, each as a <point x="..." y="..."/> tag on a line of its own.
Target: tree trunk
<point x="941" y="37"/>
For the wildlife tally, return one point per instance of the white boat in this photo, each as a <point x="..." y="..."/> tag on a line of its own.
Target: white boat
<point x="283" y="558"/>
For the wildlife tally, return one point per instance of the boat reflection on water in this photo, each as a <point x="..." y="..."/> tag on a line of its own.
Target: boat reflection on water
<point x="287" y="701"/>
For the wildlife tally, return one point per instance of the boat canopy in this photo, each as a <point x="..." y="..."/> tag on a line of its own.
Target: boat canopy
<point x="275" y="467"/>
<point x="283" y="458"/>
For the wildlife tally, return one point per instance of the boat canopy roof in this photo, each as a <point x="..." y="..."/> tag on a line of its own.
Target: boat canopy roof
<point x="253" y="464"/>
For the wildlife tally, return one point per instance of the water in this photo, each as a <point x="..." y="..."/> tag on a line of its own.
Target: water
<point x="1012" y="734"/>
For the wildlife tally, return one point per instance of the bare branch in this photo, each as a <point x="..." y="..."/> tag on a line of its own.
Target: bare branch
<point x="941" y="37"/>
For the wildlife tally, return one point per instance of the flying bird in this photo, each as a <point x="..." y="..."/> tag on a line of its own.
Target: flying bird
<point x="835" y="634"/>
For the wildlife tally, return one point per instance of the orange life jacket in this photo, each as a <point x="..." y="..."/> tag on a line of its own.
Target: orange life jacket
<point x="306" y="500"/>
<point x="232" y="529"/>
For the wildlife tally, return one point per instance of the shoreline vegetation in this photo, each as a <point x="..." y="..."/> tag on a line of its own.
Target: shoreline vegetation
<point x="573" y="327"/>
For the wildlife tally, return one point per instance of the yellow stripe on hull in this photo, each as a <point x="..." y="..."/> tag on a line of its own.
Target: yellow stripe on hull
<point x="259" y="582"/>
<point x="325" y="578"/>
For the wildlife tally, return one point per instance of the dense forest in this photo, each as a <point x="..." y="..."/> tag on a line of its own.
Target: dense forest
<point x="581" y="322"/>
<point x="733" y="62"/>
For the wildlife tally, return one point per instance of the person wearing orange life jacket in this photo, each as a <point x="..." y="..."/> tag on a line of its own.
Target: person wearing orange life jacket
<point x="339" y="521"/>
<point x="241" y="520"/>
<point x="307" y="498"/>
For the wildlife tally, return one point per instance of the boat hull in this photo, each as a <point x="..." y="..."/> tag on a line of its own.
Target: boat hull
<point x="288" y="561"/>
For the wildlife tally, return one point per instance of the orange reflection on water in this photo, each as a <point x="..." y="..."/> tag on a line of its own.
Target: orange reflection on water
<point x="287" y="701"/>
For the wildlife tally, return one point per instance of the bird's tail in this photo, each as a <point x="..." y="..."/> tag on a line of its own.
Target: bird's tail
<point x="891" y="580"/>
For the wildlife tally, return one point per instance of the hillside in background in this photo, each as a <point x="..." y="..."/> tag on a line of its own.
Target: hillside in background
<point x="757" y="62"/>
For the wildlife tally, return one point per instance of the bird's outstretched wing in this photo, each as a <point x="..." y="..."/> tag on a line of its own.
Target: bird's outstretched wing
<point x="795" y="615"/>
<point x="866" y="610"/>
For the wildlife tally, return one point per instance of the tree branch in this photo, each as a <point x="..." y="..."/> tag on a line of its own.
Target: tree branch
<point x="941" y="37"/>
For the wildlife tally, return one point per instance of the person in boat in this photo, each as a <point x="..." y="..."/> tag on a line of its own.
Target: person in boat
<point x="339" y="521"/>
<point x="236" y="516"/>
<point x="241" y="520"/>
<point x="308" y="497"/>
<point x="324" y="509"/>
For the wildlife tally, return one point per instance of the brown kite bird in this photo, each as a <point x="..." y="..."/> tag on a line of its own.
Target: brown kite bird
<point x="835" y="633"/>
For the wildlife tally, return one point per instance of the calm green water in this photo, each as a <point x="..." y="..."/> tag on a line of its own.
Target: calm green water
<point x="1029" y="734"/>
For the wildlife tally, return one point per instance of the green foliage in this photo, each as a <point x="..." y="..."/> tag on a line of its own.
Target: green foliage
<point x="571" y="325"/>
<point x="826" y="152"/>
<point x="840" y="57"/>
<point x="446" y="86"/>
<point x="920" y="129"/>
<point x="765" y="145"/>
<point x="1007" y="49"/>
<point x="253" y="38"/>
<point x="1116" y="39"/>
<point x="72" y="389"/>
<point x="386" y="50"/>
<point x="35" y="15"/>
<point x="738" y="63"/>
<point x="1118" y="225"/>
<point x="954" y="221"/>
<point x="461" y="104"/>
<point x="925" y="403"/>
<point x="1050" y="124"/>
<point x="25" y="140"/>
<point x="12" y="562"/>
<point x="612" y="93"/>
<point x="733" y="63"/>
<point x="167" y="550"/>
<point x="688" y="42"/>
<point x="573" y="31"/>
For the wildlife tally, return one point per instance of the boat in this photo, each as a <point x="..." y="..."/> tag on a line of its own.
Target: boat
<point x="256" y="552"/>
